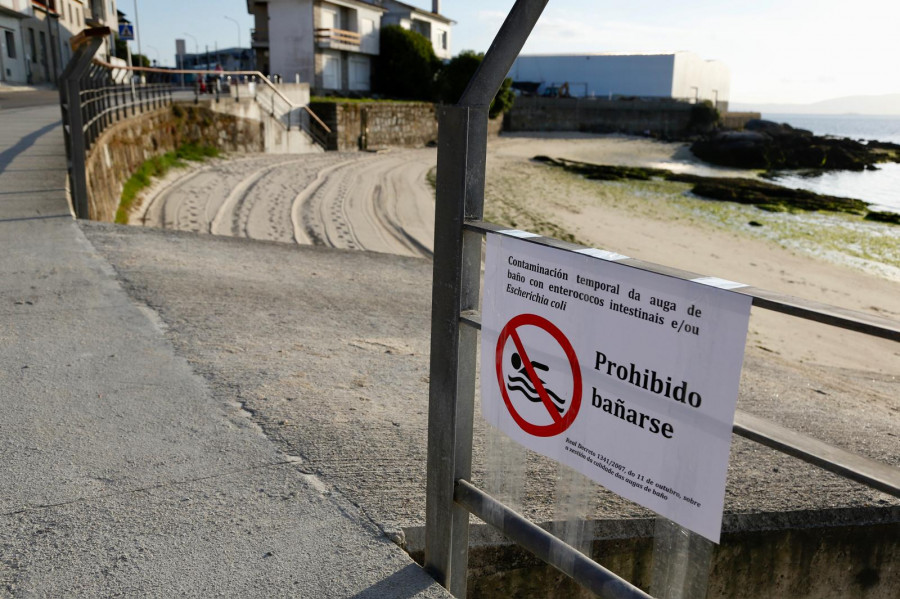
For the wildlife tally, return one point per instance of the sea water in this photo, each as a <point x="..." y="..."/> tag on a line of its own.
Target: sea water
<point x="881" y="188"/>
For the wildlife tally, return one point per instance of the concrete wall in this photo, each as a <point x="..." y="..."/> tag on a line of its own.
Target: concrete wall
<point x="118" y="153"/>
<point x="281" y="132"/>
<point x="291" y="39"/>
<point x="598" y="116"/>
<point x="379" y="124"/>
<point x="829" y="554"/>
<point x="737" y="120"/>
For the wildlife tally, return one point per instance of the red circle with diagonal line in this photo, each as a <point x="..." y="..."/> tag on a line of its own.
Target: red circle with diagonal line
<point x="560" y="422"/>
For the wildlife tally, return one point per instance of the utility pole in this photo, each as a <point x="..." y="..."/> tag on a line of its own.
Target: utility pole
<point x="196" y="51"/>
<point x="137" y="28"/>
<point x="240" y="54"/>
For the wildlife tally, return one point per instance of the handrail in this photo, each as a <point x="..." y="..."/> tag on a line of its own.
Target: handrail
<point x="262" y="77"/>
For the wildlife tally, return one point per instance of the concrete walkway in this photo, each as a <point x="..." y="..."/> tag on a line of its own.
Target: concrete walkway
<point x="122" y="473"/>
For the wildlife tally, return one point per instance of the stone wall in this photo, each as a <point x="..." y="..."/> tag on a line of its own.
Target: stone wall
<point x="122" y="148"/>
<point x="670" y="119"/>
<point x="369" y="126"/>
<point x="737" y="120"/>
<point x="366" y="126"/>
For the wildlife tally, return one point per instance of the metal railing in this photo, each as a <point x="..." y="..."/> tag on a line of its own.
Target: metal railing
<point x="95" y="95"/>
<point x="104" y="102"/>
<point x="459" y="231"/>
<point x="270" y="98"/>
<point x="283" y="111"/>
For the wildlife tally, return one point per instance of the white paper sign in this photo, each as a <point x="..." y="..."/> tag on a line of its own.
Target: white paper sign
<point x="630" y="377"/>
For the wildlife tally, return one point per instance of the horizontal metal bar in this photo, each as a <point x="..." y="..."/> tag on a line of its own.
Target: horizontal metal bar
<point x="471" y="318"/>
<point x="860" y="322"/>
<point x="544" y="545"/>
<point x="863" y="470"/>
<point x="860" y="469"/>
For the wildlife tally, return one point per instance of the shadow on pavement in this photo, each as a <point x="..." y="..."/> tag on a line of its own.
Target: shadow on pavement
<point x="10" y="154"/>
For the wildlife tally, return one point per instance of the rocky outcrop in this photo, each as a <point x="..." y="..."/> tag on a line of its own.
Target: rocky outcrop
<point x="763" y="195"/>
<point x="773" y="146"/>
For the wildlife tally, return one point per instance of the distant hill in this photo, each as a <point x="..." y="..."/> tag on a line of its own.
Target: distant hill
<point x="888" y="104"/>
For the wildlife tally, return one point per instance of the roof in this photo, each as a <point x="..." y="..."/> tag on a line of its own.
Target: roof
<point x="366" y="3"/>
<point x="622" y="54"/>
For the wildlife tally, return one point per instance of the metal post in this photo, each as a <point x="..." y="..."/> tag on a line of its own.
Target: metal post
<point x="107" y="103"/>
<point x="73" y="122"/>
<point x="457" y="260"/>
<point x="462" y="151"/>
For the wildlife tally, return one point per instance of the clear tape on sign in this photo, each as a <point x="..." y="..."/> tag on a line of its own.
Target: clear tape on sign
<point x="717" y="282"/>
<point x="602" y="254"/>
<point x="518" y="233"/>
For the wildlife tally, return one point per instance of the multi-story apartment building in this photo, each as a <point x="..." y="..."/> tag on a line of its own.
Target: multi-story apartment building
<point x="36" y="34"/>
<point x="432" y="25"/>
<point x="331" y="44"/>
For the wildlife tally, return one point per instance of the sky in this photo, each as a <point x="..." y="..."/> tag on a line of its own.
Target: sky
<point x="778" y="51"/>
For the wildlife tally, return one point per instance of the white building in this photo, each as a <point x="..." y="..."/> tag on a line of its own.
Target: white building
<point x="13" y="65"/>
<point x="678" y="75"/>
<point x="36" y="34"/>
<point x="331" y="44"/>
<point x="434" y="26"/>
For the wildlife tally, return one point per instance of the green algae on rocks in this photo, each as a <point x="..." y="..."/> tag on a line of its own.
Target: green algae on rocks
<point x="763" y="195"/>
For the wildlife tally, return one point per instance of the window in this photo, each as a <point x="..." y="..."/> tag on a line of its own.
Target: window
<point x="10" y="44"/>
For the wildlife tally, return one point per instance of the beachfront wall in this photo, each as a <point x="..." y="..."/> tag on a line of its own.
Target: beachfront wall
<point x="362" y="126"/>
<point x="121" y="149"/>
<point x="679" y="75"/>
<point x="594" y="115"/>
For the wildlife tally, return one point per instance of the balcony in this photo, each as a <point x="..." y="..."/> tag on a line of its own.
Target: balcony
<point x="259" y="38"/>
<point x="48" y="6"/>
<point x="338" y="39"/>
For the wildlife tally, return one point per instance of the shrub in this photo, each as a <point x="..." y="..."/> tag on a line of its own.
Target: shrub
<point x="158" y="166"/>
<point x="455" y="75"/>
<point x="406" y="65"/>
<point x="704" y="115"/>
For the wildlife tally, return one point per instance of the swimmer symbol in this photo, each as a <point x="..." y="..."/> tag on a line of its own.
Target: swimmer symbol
<point x="522" y="384"/>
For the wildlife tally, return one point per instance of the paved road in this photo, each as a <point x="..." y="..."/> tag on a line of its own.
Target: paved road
<point x="124" y="473"/>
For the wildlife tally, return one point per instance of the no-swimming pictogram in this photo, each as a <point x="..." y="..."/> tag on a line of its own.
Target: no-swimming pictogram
<point x="523" y="379"/>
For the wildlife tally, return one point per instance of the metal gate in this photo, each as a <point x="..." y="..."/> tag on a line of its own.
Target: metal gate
<point x="459" y="230"/>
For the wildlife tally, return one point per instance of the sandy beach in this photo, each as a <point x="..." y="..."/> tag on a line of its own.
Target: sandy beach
<point x="383" y="202"/>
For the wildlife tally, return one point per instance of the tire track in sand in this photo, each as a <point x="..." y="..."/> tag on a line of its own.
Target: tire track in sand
<point x="379" y="202"/>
